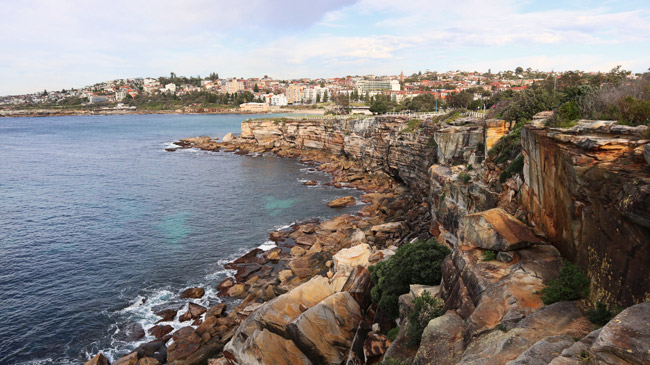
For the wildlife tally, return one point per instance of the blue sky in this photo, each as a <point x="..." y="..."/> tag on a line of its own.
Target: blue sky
<point x="50" y="44"/>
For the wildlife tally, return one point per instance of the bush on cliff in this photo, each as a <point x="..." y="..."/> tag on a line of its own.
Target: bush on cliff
<point x="509" y="146"/>
<point x="426" y="308"/>
<point x="572" y="284"/>
<point x="600" y="314"/>
<point x="515" y="167"/>
<point x="413" y="263"/>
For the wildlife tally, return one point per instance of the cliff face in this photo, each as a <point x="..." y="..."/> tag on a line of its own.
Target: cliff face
<point x="588" y="189"/>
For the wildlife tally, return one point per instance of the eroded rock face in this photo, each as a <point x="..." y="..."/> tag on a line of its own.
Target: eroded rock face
<point x="458" y="143"/>
<point x="543" y="351"/>
<point x="276" y="314"/>
<point x="588" y="191"/>
<point x="324" y="332"/>
<point x="265" y="347"/>
<point x="442" y="341"/>
<point x="497" y="230"/>
<point x="349" y="258"/>
<point x="624" y="340"/>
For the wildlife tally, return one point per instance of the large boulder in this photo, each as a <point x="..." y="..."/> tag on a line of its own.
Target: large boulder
<point x="349" y="258"/>
<point x="442" y="341"/>
<point x="495" y="229"/>
<point x="359" y="285"/>
<point x="325" y="331"/>
<point x="131" y="331"/>
<point x="192" y="293"/>
<point x="98" y="359"/>
<point x="130" y="359"/>
<point x="624" y="340"/>
<point x="543" y="351"/>
<point x="265" y="347"/>
<point x="345" y="201"/>
<point x="276" y="314"/>
<point x="228" y="138"/>
<point x="193" y="311"/>
<point x="499" y="347"/>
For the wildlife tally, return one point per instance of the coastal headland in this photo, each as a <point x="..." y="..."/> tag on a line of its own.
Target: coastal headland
<point x="576" y="194"/>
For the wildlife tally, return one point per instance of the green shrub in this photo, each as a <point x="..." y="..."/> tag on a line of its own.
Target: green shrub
<point x="489" y="255"/>
<point x="426" y="308"/>
<point x="464" y="177"/>
<point x="600" y="314"/>
<point x="413" y="263"/>
<point x="412" y="126"/>
<point x="469" y="167"/>
<point x="572" y="284"/>
<point x="392" y="333"/>
<point x="515" y="167"/>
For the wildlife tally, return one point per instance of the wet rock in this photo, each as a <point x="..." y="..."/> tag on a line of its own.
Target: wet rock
<point x="226" y="284"/>
<point x="237" y="290"/>
<point x="324" y="331"/>
<point x="273" y="254"/>
<point x="345" y="201"/>
<point x="310" y="183"/>
<point x="167" y="315"/>
<point x="193" y="293"/>
<point x="193" y="312"/>
<point x="170" y="149"/>
<point x="495" y="229"/>
<point x="284" y="275"/>
<point x="148" y="361"/>
<point x="130" y="332"/>
<point x="442" y="341"/>
<point x="334" y="223"/>
<point x="98" y="359"/>
<point x="185" y="344"/>
<point x="155" y="349"/>
<point x="159" y="331"/>
<point x="130" y="359"/>
<point x="216" y="310"/>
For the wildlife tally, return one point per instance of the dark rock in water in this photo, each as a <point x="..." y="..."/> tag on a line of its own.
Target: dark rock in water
<point x="155" y="349"/>
<point x="99" y="359"/>
<point x="170" y="149"/>
<point x="216" y="310"/>
<point x="193" y="293"/>
<point x="197" y="322"/>
<point x="160" y="330"/>
<point x="226" y="284"/>
<point x="130" y="359"/>
<point x="310" y="183"/>
<point x="182" y="332"/>
<point x="193" y="311"/>
<point x="185" y="343"/>
<point x="167" y="315"/>
<point x="129" y="332"/>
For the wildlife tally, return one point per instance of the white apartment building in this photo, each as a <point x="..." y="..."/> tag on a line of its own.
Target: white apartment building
<point x="171" y="87"/>
<point x="364" y="86"/>
<point x="279" y="100"/>
<point x="311" y="94"/>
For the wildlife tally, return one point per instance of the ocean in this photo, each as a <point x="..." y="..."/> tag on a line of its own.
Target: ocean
<point x="101" y="227"/>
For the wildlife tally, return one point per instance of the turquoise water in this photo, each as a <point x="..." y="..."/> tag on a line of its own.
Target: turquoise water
<point x="96" y="217"/>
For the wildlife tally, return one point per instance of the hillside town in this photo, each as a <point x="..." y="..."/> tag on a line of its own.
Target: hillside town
<point x="267" y="93"/>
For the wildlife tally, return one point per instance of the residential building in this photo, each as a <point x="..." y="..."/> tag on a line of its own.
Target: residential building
<point x="294" y="94"/>
<point x="364" y="86"/>
<point x="279" y="100"/>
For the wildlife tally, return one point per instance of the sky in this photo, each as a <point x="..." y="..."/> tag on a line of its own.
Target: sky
<point x="59" y="44"/>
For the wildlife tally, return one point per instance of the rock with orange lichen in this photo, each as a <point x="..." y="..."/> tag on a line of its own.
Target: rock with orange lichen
<point x="497" y="230"/>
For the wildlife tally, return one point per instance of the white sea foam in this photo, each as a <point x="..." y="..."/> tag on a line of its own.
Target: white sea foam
<point x="267" y="245"/>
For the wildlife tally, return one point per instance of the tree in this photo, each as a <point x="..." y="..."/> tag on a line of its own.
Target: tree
<point x="379" y="107"/>
<point x="213" y="76"/>
<point x="325" y="97"/>
<point x="342" y="102"/>
<point x="519" y="70"/>
<point x="317" y="98"/>
<point x="256" y="88"/>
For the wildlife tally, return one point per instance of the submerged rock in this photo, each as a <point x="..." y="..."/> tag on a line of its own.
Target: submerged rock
<point x="130" y="332"/>
<point x="193" y="293"/>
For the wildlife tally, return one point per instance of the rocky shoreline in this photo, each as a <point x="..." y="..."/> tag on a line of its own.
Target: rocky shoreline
<point x="309" y="299"/>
